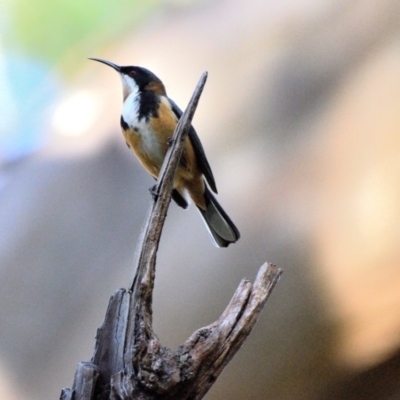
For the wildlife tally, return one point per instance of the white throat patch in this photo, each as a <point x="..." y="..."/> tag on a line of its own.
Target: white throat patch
<point x="129" y="86"/>
<point x="130" y="109"/>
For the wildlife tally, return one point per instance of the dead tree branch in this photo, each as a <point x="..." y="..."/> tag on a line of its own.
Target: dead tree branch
<point x="129" y="361"/>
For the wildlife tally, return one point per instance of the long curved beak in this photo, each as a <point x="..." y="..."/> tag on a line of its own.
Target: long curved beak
<point x="109" y="63"/>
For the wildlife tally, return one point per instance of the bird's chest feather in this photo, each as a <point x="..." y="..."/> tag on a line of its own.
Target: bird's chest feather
<point x="148" y="135"/>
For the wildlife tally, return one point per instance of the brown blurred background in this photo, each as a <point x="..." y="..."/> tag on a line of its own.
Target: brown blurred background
<point x="300" y="120"/>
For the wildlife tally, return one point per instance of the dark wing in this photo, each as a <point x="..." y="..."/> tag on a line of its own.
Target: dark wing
<point x="203" y="164"/>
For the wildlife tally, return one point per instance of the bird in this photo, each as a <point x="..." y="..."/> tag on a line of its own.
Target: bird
<point x="148" y="121"/>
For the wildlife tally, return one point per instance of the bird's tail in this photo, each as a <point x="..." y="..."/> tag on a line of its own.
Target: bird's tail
<point x="220" y="226"/>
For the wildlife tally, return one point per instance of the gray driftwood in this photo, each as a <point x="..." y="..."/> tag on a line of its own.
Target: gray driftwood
<point x="129" y="361"/>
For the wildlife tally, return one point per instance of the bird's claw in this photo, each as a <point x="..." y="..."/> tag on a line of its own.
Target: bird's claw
<point x="154" y="193"/>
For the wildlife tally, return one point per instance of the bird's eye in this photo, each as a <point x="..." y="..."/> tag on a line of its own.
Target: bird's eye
<point x="132" y="73"/>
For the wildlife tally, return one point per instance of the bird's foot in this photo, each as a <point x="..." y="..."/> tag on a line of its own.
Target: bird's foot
<point x="170" y="141"/>
<point x="154" y="193"/>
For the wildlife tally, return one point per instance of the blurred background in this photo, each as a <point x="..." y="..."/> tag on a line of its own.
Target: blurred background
<point x="300" y="119"/>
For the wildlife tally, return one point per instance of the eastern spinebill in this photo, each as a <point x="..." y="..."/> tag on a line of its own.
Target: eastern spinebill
<point x="148" y="121"/>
